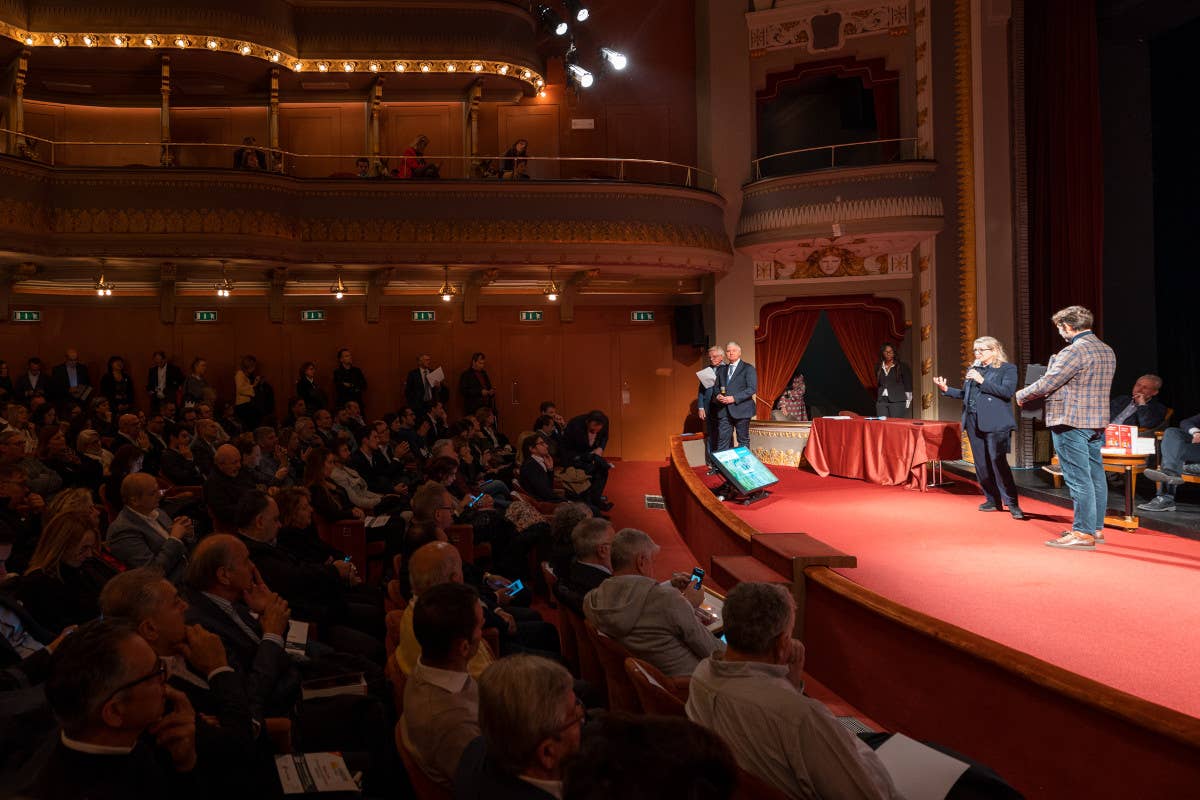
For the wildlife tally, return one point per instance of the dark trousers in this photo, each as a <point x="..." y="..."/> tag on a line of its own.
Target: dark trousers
<point x="726" y="425"/>
<point x="1177" y="450"/>
<point x="712" y="432"/>
<point x="990" y="450"/>
<point x="979" y="782"/>
<point x="885" y="407"/>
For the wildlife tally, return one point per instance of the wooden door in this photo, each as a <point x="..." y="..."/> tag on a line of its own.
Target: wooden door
<point x="646" y="399"/>
<point x="537" y="124"/>
<point x="640" y="132"/>
<point x="526" y="375"/>
<point x="588" y="381"/>
<point x="401" y="123"/>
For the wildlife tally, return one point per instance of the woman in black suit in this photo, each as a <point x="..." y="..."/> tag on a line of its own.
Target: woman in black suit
<point x="988" y="420"/>
<point x="308" y="390"/>
<point x="117" y="386"/>
<point x="893" y="397"/>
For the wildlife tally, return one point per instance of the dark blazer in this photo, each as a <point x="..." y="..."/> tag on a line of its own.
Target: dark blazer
<point x="203" y="455"/>
<point x="538" y="482"/>
<point x="471" y="385"/>
<point x="118" y="392"/>
<point x="179" y="470"/>
<point x="313" y="592"/>
<point x="135" y="543"/>
<point x="223" y="494"/>
<point x="313" y="395"/>
<point x="174" y="382"/>
<point x="575" y="439"/>
<point x="414" y="391"/>
<point x="73" y="598"/>
<point x="993" y="398"/>
<point x="1150" y="415"/>
<point x="742" y="388"/>
<point x="898" y="382"/>
<point x="372" y="471"/>
<point x="478" y="778"/>
<point x="580" y="579"/>
<point x="348" y="384"/>
<point x="271" y="680"/>
<point x="36" y="668"/>
<point x="144" y="772"/>
<point x="226" y="699"/>
<point x="1189" y="423"/>
<point x="23" y="389"/>
<point x="62" y="382"/>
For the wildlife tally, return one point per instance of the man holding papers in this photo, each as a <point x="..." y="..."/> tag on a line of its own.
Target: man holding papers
<point x="737" y="382"/>
<point x="706" y="405"/>
<point x="424" y="385"/>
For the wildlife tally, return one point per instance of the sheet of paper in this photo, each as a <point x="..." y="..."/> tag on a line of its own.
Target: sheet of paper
<point x="836" y="417"/>
<point x="436" y="377"/>
<point x="707" y="376"/>
<point x="297" y="635"/>
<point x="314" y="772"/>
<point x="919" y="771"/>
<point x="377" y="522"/>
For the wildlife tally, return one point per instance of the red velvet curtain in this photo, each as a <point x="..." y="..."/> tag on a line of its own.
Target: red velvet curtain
<point x="779" y="349"/>
<point x="886" y="96"/>
<point x="860" y="332"/>
<point x="1066" y="178"/>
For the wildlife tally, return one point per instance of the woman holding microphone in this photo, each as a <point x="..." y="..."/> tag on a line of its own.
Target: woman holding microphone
<point x="988" y="420"/>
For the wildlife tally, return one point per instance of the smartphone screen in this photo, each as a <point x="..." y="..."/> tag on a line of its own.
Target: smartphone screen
<point x="475" y="500"/>
<point x="697" y="577"/>
<point x="514" y="587"/>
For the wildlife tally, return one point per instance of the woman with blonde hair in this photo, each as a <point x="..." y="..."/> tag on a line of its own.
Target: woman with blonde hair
<point x="62" y="585"/>
<point x="77" y="500"/>
<point x="988" y="420"/>
<point x="18" y="420"/>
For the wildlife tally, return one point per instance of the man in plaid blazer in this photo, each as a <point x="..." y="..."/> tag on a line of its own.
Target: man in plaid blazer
<point x="1076" y="386"/>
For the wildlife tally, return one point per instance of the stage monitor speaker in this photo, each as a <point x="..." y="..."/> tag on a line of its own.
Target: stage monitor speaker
<point x="689" y="326"/>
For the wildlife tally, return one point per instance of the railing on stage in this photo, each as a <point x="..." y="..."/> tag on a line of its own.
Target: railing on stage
<point x="210" y="155"/>
<point x="940" y="682"/>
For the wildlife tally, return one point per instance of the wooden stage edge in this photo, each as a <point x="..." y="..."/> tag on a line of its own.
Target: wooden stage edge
<point x="1060" y="704"/>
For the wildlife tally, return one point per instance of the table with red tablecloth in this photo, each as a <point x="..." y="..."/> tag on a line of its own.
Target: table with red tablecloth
<point x="890" y="452"/>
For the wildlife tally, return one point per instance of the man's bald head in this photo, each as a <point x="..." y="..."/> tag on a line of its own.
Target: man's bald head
<point x="217" y="552"/>
<point x="139" y="491"/>
<point x="228" y="459"/>
<point x="433" y="564"/>
<point x="128" y="424"/>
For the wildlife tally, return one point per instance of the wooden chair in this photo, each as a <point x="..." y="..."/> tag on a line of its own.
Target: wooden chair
<point x="590" y="668"/>
<point x="395" y="599"/>
<point x="612" y="654"/>
<point x="350" y="536"/>
<point x="463" y="539"/>
<point x="549" y="580"/>
<point x="109" y="511"/>
<point x="424" y="787"/>
<point x="396" y="679"/>
<point x="657" y="693"/>
<point x="279" y="731"/>
<point x="752" y="787"/>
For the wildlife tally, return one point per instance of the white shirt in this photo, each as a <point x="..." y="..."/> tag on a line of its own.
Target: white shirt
<point x="554" y="788"/>
<point x="152" y="519"/>
<point x="452" y="682"/>
<point x="729" y="371"/>
<point x="95" y="749"/>
<point x="161" y="385"/>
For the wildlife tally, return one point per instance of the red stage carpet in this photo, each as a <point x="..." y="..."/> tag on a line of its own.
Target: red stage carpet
<point x="1125" y="615"/>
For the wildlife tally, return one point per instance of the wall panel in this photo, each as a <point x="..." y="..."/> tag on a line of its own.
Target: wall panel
<point x="401" y="123"/>
<point x="538" y="124"/>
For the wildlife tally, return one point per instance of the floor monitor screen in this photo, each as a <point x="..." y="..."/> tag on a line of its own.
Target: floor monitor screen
<point x="744" y="470"/>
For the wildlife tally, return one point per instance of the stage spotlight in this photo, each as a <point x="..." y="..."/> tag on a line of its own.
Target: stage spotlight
<point x="577" y="11"/>
<point x="580" y="74"/>
<point x="551" y="20"/>
<point x="617" y="60"/>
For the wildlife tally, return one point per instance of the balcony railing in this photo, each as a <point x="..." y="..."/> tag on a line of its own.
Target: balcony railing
<point x="382" y="166"/>
<point x="850" y="154"/>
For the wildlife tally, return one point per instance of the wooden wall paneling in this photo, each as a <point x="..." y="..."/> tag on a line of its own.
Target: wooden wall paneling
<point x="401" y="123"/>
<point x="203" y="126"/>
<point x="590" y="365"/>
<point x="538" y="124"/>
<point x="416" y="338"/>
<point x="91" y="124"/>
<point x="640" y="131"/>
<point x="334" y="128"/>
<point x="45" y="120"/>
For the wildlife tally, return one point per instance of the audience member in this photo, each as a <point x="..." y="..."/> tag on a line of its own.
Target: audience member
<point x="225" y="486"/>
<point x="57" y="456"/>
<point x="413" y="165"/>
<point x="177" y="464"/>
<point x="144" y="535"/>
<point x="593" y="542"/>
<point x="349" y="383"/>
<point x="531" y="722"/>
<point x="583" y="443"/>
<point x="20" y="517"/>
<point x="196" y="389"/>
<point x="246" y="381"/>
<point x="204" y="446"/>
<point x="31" y="383"/>
<point x="419" y="391"/>
<point x="117" y="386"/>
<point x="515" y="166"/>
<point x="90" y="448"/>
<point x="441" y="699"/>
<point x="163" y="382"/>
<point x="62" y="584"/>
<point x="475" y="386"/>
<point x="648" y="758"/>
<point x="656" y="622"/>
<point x="298" y="532"/>
<point x="125" y="733"/>
<point x="308" y="390"/>
<point x="562" y="528"/>
<point x="249" y="157"/>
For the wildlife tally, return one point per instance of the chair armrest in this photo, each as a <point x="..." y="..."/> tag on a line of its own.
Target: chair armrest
<point x="279" y="731"/>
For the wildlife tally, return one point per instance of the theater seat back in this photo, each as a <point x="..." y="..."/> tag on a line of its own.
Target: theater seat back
<point x="424" y="787"/>
<point x="590" y="668"/>
<point x="612" y="654"/>
<point x="657" y="693"/>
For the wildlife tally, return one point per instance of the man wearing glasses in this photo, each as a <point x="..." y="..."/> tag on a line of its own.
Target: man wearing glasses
<point x="125" y="733"/>
<point x="20" y="519"/>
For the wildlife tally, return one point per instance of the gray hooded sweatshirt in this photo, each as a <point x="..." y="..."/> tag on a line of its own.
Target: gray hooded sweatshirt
<point x="652" y="621"/>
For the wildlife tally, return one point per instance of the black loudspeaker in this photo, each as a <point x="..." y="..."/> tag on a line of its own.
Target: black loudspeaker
<point x="689" y="326"/>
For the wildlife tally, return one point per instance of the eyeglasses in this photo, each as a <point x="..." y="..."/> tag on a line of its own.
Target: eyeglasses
<point x="158" y="673"/>
<point x="578" y="718"/>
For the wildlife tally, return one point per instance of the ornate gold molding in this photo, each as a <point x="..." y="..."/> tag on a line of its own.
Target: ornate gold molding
<point x="964" y="157"/>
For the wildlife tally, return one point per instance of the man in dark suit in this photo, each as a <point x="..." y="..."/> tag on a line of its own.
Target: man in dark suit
<point x="163" y="380"/>
<point x="583" y="443"/>
<point x="706" y="404"/>
<point x="225" y="487"/>
<point x="592" y="565"/>
<point x="178" y="465"/>
<point x="204" y="446"/>
<point x="1139" y="406"/>
<point x="32" y="383"/>
<point x="70" y="379"/>
<point x="125" y="733"/>
<point x="435" y="415"/>
<point x="419" y="391"/>
<point x="349" y="383"/>
<point x="537" y="470"/>
<point x="516" y="759"/>
<point x="737" y="383"/>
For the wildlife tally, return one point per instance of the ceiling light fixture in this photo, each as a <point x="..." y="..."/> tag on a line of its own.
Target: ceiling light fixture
<point x="347" y="66"/>
<point x="297" y="66"/>
<point x="373" y="66"/>
<point x="224" y="286"/>
<point x="120" y="41"/>
<point x="447" y="290"/>
<point x="450" y="67"/>
<point x="552" y="290"/>
<point x="213" y="44"/>
<point x="585" y="78"/>
<point x="275" y="56"/>
<point x="477" y="67"/>
<point x="618" y="60"/>
<point x="503" y="69"/>
<point x="425" y="68"/>
<point x="89" y="40"/>
<point x="150" y="41"/>
<point x="322" y="66"/>
<point x="182" y="42"/>
<point x="399" y="66"/>
<point x="103" y="288"/>
<point x="29" y="40"/>
<point x="338" y="289"/>
<point x="58" y="40"/>
<point x="244" y="49"/>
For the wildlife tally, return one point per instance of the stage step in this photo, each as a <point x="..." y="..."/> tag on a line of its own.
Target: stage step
<point x="790" y="553"/>
<point x="729" y="571"/>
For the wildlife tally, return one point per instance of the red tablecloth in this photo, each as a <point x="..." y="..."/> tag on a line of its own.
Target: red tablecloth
<point x="886" y="451"/>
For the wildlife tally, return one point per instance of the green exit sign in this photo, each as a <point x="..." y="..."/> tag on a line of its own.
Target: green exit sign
<point x="641" y="316"/>
<point x="205" y="316"/>
<point x="312" y="315"/>
<point x="531" y="316"/>
<point x="26" y="316"/>
<point x="424" y="316"/>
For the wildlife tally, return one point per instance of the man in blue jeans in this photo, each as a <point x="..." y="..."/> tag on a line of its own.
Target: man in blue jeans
<point x="1076" y="388"/>
<point x="1180" y="456"/>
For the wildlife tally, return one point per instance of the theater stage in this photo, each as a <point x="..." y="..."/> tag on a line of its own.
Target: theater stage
<point x="1124" y="615"/>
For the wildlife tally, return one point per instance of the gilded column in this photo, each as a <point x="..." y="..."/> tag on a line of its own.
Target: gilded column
<point x="273" y="121"/>
<point x="474" y="94"/>
<point x="16" y="108"/>
<point x="964" y="158"/>
<point x="923" y="42"/>
<point x="374" y="111"/>
<point x="164" y="117"/>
